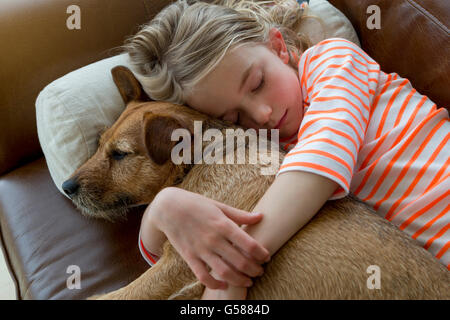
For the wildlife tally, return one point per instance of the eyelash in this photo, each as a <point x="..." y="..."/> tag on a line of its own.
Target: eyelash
<point x="261" y="84"/>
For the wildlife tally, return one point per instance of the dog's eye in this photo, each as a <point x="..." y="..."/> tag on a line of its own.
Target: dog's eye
<point x="118" y="155"/>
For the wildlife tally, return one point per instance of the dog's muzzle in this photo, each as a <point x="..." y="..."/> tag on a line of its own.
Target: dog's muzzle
<point x="71" y="187"/>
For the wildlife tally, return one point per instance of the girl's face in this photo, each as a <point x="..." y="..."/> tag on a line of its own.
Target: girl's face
<point x="254" y="86"/>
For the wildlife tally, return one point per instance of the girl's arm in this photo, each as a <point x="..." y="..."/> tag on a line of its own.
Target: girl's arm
<point x="289" y="203"/>
<point x="152" y="238"/>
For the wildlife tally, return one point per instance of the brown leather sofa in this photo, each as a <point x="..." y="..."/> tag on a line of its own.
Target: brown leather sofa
<point x="42" y="234"/>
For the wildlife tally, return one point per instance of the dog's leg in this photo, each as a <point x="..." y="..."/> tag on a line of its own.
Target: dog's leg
<point x="168" y="275"/>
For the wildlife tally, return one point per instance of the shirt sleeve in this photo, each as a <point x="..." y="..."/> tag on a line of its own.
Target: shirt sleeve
<point x="336" y="78"/>
<point x="151" y="258"/>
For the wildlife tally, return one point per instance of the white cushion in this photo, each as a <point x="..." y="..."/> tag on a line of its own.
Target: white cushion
<point x="72" y="110"/>
<point x="335" y="22"/>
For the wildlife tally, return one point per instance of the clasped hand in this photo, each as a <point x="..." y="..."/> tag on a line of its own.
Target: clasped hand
<point x="206" y="233"/>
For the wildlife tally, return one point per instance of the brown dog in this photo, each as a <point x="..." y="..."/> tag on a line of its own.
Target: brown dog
<point x="332" y="257"/>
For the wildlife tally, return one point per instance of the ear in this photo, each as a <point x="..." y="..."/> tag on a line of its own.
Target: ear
<point x="157" y="132"/>
<point x="277" y="44"/>
<point x="129" y="87"/>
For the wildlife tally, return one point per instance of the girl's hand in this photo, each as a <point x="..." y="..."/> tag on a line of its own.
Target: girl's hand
<point x="206" y="232"/>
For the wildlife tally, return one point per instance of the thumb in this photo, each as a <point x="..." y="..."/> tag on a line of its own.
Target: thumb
<point x="240" y="216"/>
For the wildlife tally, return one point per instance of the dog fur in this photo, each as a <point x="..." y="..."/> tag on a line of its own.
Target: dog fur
<point x="326" y="259"/>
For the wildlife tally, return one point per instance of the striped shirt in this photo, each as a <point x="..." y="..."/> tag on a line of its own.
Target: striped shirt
<point x="378" y="138"/>
<point x="149" y="257"/>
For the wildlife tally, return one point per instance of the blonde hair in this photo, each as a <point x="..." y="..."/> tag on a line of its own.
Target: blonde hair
<point x="187" y="39"/>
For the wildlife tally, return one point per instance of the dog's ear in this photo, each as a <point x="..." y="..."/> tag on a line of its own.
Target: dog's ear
<point x="129" y="87"/>
<point x="157" y="132"/>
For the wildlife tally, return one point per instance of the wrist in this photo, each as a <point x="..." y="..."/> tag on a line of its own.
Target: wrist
<point x="231" y="293"/>
<point x="160" y="206"/>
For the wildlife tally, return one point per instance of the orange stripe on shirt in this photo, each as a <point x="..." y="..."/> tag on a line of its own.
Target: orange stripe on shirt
<point x="322" y="153"/>
<point x="418" y="177"/>
<point x="378" y="96"/>
<point x="410" y="220"/>
<point x="430" y="223"/>
<point x="344" y="79"/>
<point x="335" y="110"/>
<point x="332" y="142"/>
<point x="307" y="56"/>
<point x="382" y="139"/>
<point x="396" y="156"/>
<point x="387" y="109"/>
<point x="317" y="56"/>
<point x="317" y="167"/>
<point x="307" y="124"/>
<point x="423" y="193"/>
<point x="147" y="254"/>
<point x="442" y="252"/>
<point x="333" y="57"/>
<point x="329" y="86"/>
<point x="340" y="133"/>
<point x="437" y="236"/>
<point x="437" y="179"/>
<point x="406" y="167"/>
<point x="339" y="67"/>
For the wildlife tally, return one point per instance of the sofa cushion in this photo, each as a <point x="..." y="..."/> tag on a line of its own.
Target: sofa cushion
<point x="43" y="235"/>
<point x="334" y="23"/>
<point x="413" y="41"/>
<point x="72" y="110"/>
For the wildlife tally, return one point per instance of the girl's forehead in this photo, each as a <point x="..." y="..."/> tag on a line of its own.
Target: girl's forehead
<point x="244" y="52"/>
<point x="217" y="91"/>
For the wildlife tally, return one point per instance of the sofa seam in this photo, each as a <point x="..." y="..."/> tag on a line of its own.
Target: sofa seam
<point x="428" y="14"/>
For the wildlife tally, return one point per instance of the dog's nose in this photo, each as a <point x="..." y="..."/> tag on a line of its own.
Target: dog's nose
<point x="70" y="187"/>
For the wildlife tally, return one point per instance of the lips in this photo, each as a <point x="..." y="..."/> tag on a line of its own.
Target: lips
<point x="283" y="118"/>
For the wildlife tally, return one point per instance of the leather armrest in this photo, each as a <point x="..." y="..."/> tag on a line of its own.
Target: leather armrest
<point x="37" y="48"/>
<point x="413" y="41"/>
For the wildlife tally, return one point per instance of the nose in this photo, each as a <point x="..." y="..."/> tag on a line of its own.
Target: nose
<point x="71" y="187"/>
<point x="261" y="115"/>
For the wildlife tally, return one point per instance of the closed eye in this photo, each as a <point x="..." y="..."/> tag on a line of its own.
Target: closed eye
<point x="118" y="155"/>
<point x="260" y="85"/>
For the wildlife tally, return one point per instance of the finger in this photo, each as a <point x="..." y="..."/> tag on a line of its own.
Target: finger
<point x="236" y="259"/>
<point x="246" y="243"/>
<point x="201" y="272"/>
<point x="240" y="216"/>
<point x="226" y="272"/>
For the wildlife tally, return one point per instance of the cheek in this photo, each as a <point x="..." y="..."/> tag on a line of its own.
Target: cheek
<point x="287" y="94"/>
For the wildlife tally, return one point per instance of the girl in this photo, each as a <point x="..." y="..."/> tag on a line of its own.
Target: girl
<point x="348" y="126"/>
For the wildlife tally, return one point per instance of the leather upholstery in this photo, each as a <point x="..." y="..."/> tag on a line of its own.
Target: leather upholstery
<point x="413" y="41"/>
<point x="42" y="233"/>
